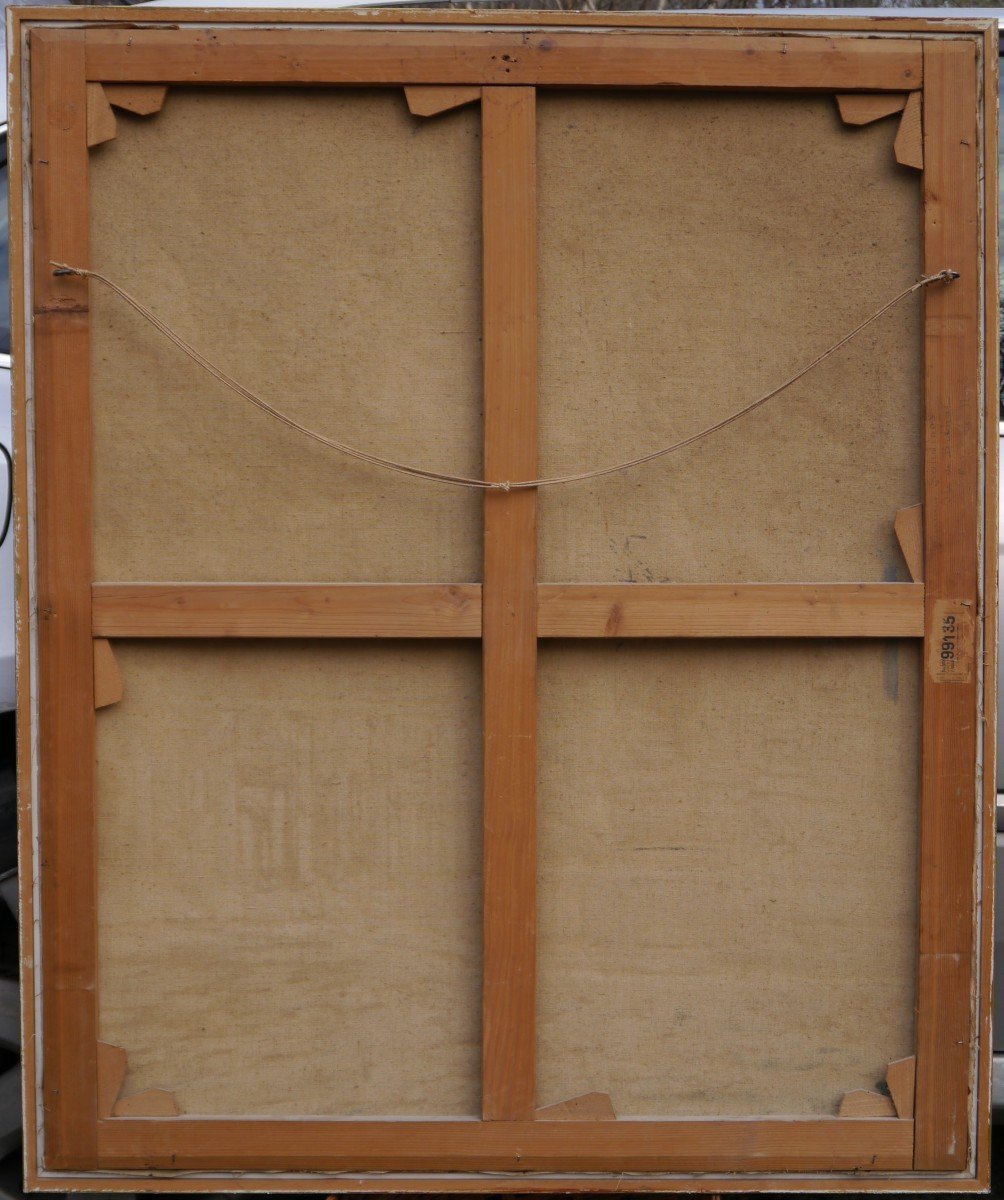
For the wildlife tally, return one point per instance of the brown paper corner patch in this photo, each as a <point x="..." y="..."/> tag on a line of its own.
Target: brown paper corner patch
<point x="152" y="1102"/>
<point x="593" y="1106"/>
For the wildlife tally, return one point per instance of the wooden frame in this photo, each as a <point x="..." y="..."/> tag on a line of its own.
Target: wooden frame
<point x="944" y="1146"/>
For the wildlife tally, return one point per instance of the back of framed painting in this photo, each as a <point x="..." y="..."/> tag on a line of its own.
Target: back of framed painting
<point x="507" y="584"/>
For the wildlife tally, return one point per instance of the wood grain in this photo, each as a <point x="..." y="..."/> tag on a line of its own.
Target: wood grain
<point x="65" y="653"/>
<point x="601" y="1183"/>
<point x="631" y="59"/>
<point x="952" y="517"/>
<point x="731" y="610"/>
<point x="509" y="604"/>
<point x="59" y="225"/>
<point x="287" y="610"/>
<point x="991" y="468"/>
<point x="454" y="610"/>
<point x="27" y="828"/>
<point x="64" y="606"/>
<point x="781" y="1144"/>
<point x="774" y="24"/>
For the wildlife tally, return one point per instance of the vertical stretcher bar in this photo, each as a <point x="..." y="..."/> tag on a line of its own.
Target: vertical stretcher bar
<point x="952" y="513"/>
<point x="61" y="357"/>
<point x="509" y="603"/>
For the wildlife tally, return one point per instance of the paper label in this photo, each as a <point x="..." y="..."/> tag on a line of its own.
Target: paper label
<point x="951" y="642"/>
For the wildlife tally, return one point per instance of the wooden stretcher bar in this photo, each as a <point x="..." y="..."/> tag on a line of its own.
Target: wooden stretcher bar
<point x="65" y="651"/>
<point x="631" y="59"/>
<point x="951" y="717"/>
<point x="769" y="1145"/>
<point x="142" y="610"/>
<point x="509" y="605"/>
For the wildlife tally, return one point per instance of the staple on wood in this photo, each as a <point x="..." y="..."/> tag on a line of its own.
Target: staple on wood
<point x="143" y="99"/>
<point x="900" y="1078"/>
<point x="592" y="1106"/>
<point x="107" y="677"/>
<point x="862" y="1103"/>
<point x="101" y="126"/>
<point x="861" y="108"/>
<point x="909" y="526"/>
<point x="425" y="101"/>
<point x="909" y="144"/>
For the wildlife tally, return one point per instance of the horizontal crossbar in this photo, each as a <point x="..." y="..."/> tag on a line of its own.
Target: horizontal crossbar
<point x="407" y="610"/>
<point x="782" y="1144"/>
<point x="627" y="58"/>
